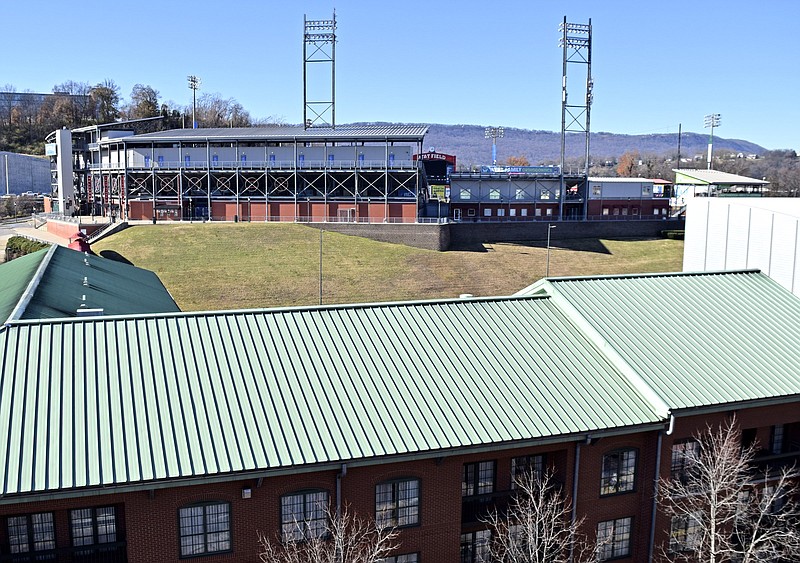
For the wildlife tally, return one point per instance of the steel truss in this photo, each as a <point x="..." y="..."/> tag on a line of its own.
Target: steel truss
<point x="576" y="42"/>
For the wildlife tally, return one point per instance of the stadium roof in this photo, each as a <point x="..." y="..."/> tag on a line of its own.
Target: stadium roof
<point x="57" y="282"/>
<point x="718" y="177"/>
<point x="697" y="340"/>
<point x="411" y="133"/>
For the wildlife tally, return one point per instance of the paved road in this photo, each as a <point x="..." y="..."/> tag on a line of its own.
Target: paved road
<point x="24" y="227"/>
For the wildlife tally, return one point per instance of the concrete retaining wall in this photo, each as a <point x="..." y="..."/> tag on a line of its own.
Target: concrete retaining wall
<point x="454" y="236"/>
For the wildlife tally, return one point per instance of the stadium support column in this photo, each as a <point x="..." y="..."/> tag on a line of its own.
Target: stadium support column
<point x="576" y="42"/>
<point x="66" y="187"/>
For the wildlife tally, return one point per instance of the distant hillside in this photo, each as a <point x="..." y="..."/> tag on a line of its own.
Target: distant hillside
<point x="468" y="143"/>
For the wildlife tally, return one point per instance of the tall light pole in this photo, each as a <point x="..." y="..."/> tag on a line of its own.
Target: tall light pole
<point x="547" y="269"/>
<point x="194" y="84"/>
<point x="712" y="120"/>
<point x="494" y="133"/>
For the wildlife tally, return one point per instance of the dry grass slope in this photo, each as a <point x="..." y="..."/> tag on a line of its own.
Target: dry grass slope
<point x="234" y="266"/>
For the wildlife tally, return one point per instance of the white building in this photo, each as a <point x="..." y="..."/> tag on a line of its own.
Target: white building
<point x="745" y="233"/>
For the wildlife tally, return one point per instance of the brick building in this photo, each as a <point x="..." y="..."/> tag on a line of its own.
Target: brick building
<point x="165" y="435"/>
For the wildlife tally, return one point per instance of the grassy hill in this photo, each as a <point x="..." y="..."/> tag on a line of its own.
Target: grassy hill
<point x="234" y="266"/>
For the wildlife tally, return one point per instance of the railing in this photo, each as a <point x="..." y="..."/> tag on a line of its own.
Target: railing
<point x="476" y="508"/>
<point x="263" y="165"/>
<point x="99" y="553"/>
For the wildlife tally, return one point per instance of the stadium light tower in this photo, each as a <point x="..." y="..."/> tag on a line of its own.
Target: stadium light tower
<point x="494" y="133"/>
<point x="194" y="84"/>
<point x="712" y="120"/>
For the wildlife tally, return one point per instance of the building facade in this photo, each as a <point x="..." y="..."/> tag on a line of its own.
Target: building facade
<point x="353" y="174"/>
<point x="172" y="435"/>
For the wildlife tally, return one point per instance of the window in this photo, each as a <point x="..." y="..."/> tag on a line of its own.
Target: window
<point x="512" y="212"/>
<point x="684" y="455"/>
<point x="487" y="212"/>
<point x="205" y="528"/>
<point x="656" y="211"/>
<point x="477" y="479"/>
<point x="549" y="212"/>
<point x="597" y="191"/>
<point x="33" y="532"/>
<point x="397" y="503"/>
<point x="776" y="441"/>
<point x="524" y="212"/>
<point x="464" y="194"/>
<point x="475" y="547"/>
<point x="470" y="213"/>
<point x="522" y="467"/>
<point x="406" y="558"/>
<point x="545" y="194"/>
<point x="614" y="538"/>
<point x="605" y="211"/>
<point x="619" y="471"/>
<point x="684" y="533"/>
<point x="519" y="193"/>
<point x="303" y="515"/>
<point x="90" y="526"/>
<point x="646" y="191"/>
<point x="538" y="212"/>
<point x="501" y="212"/>
<point x="494" y="193"/>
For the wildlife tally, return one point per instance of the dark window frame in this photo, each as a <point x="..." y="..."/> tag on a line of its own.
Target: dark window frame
<point x="625" y="549"/>
<point x="31" y="534"/>
<point x="306" y="530"/>
<point x="680" y="465"/>
<point x="472" y="477"/>
<point x="622" y="481"/>
<point x="395" y="510"/>
<point x="205" y="531"/>
<point x="521" y="467"/>
<point x="97" y="538"/>
<point x="471" y="550"/>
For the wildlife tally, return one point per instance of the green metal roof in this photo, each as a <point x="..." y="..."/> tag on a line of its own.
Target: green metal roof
<point x="59" y="281"/>
<point x="697" y="340"/>
<point x="134" y="400"/>
<point x="15" y="276"/>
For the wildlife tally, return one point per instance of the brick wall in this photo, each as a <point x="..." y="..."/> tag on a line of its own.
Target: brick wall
<point x="148" y="520"/>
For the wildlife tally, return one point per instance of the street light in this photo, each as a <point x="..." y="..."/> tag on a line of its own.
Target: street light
<point x="547" y="269"/>
<point x="194" y="84"/>
<point x="494" y="133"/>
<point x="711" y="120"/>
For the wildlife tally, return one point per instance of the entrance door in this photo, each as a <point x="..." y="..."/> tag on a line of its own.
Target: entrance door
<point x="457" y="214"/>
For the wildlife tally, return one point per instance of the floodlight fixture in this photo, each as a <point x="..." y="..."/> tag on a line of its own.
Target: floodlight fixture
<point x="494" y="133"/>
<point x="711" y="120"/>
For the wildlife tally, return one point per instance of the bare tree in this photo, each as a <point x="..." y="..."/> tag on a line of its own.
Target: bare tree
<point x="723" y="509"/>
<point x="537" y="526"/>
<point x="346" y="538"/>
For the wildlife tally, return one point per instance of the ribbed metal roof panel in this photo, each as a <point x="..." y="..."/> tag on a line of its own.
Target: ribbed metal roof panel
<point x="697" y="339"/>
<point x="103" y="401"/>
<point x="67" y="280"/>
<point x="287" y="133"/>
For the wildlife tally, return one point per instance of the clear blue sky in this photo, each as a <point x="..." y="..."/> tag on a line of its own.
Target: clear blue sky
<point x="655" y="63"/>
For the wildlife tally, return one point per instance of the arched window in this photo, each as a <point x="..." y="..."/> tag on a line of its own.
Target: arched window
<point x="304" y="515"/>
<point x="205" y="528"/>
<point x="397" y="503"/>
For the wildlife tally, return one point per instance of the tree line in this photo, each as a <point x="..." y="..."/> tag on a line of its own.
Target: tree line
<point x="26" y="120"/>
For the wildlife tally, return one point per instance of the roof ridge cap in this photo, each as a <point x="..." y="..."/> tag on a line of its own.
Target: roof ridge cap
<point x="33" y="284"/>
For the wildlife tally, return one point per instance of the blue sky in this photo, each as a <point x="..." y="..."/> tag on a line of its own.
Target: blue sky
<point x="654" y="64"/>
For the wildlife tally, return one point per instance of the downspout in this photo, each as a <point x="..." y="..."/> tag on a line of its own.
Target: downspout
<point x="342" y="473"/>
<point x="656" y="479"/>
<point x="574" y="511"/>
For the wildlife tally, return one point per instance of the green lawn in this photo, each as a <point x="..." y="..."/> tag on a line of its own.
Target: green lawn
<point x="234" y="266"/>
